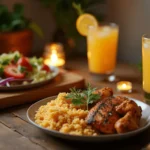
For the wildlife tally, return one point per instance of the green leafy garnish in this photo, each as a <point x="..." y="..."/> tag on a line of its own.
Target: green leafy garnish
<point x="22" y="69"/>
<point x="16" y="58"/>
<point x="5" y="62"/>
<point x="91" y="97"/>
<point x="76" y="96"/>
<point x="85" y="97"/>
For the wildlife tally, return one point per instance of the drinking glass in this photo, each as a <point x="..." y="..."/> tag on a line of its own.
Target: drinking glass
<point x="102" y="44"/>
<point x="146" y="65"/>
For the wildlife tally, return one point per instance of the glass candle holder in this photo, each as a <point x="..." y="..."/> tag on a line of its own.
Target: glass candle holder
<point x="124" y="86"/>
<point x="54" y="55"/>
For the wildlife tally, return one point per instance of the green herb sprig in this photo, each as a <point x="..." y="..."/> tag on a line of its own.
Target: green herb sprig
<point x="84" y="97"/>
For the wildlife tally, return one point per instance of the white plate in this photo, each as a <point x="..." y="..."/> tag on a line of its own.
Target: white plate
<point x="55" y="72"/>
<point x="145" y="123"/>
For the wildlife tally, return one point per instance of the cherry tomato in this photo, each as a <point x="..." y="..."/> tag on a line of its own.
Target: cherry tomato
<point x="24" y="62"/>
<point x="12" y="71"/>
<point x="46" y="68"/>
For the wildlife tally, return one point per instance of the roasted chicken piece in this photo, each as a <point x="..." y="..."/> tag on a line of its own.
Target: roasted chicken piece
<point x="110" y="114"/>
<point x="126" y="123"/>
<point x="131" y="116"/>
<point x="103" y="115"/>
<point x="104" y="92"/>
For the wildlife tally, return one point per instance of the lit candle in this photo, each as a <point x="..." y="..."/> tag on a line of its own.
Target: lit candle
<point x="124" y="86"/>
<point x="54" y="55"/>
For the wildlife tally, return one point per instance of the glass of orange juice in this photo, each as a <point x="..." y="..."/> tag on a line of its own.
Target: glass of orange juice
<point x="146" y="65"/>
<point x="102" y="49"/>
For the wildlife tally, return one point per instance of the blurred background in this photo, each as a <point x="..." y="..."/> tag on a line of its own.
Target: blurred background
<point x="57" y="18"/>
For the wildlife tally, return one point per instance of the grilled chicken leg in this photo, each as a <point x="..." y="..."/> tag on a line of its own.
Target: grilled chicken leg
<point x="131" y="119"/>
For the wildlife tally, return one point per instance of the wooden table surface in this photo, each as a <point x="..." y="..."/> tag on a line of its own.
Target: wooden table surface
<point x="16" y="133"/>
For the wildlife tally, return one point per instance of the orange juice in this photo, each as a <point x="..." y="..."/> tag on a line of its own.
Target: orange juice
<point x="146" y="64"/>
<point x="102" y="49"/>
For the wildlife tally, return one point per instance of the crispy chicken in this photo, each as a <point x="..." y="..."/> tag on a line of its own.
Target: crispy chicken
<point x="104" y="92"/>
<point x="131" y="116"/>
<point x="114" y="114"/>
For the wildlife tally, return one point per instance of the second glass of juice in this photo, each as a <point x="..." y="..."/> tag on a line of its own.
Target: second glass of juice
<point x="102" y="44"/>
<point x="146" y="66"/>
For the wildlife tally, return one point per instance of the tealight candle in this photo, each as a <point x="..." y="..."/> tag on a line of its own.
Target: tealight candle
<point x="54" y="55"/>
<point x="124" y="86"/>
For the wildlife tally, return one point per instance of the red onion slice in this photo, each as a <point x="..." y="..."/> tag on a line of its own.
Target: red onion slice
<point x="4" y="81"/>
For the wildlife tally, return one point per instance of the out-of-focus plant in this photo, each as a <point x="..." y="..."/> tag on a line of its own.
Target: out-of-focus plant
<point x="67" y="11"/>
<point x="15" y="20"/>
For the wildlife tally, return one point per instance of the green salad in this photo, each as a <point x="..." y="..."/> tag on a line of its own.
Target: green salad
<point x="17" y="69"/>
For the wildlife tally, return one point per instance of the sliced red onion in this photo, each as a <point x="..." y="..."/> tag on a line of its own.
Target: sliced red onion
<point x="4" y="81"/>
<point x="7" y="84"/>
<point x="8" y="81"/>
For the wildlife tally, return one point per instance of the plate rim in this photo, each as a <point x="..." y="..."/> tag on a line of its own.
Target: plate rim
<point x="103" y="136"/>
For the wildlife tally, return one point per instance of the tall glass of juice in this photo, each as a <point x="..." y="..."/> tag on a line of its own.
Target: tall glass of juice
<point x="146" y="65"/>
<point x="102" y="44"/>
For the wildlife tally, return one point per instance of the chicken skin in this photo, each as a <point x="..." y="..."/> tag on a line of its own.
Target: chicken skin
<point x="114" y="114"/>
<point x="104" y="92"/>
<point x="103" y="115"/>
<point x="126" y="123"/>
<point x="131" y="116"/>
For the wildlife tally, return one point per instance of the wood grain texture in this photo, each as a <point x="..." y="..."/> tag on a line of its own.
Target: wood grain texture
<point x="10" y="140"/>
<point x="30" y="132"/>
<point x="62" y="83"/>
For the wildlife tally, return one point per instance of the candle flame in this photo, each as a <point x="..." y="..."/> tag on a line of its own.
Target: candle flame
<point x="54" y="58"/>
<point x="124" y="85"/>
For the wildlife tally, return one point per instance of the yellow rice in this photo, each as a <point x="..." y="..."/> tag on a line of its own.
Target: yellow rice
<point x="61" y="115"/>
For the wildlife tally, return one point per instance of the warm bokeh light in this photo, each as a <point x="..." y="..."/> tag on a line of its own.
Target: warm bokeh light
<point x="124" y="86"/>
<point x="54" y="55"/>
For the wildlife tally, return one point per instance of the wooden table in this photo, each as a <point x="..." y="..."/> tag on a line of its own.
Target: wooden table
<point x="16" y="133"/>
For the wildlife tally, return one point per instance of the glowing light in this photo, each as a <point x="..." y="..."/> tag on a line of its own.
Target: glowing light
<point x="54" y="56"/>
<point x="124" y="86"/>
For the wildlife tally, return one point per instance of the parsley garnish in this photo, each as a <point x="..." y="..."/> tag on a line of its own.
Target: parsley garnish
<point x="85" y="97"/>
<point x="76" y="96"/>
